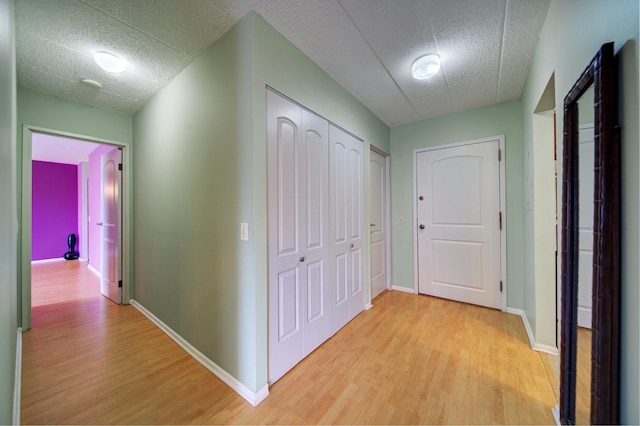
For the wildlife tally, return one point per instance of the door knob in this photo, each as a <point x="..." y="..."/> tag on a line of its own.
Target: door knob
<point x="99" y="223"/>
<point x="301" y="259"/>
<point x="421" y="226"/>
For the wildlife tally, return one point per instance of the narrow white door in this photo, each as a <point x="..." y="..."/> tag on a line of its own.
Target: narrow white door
<point x="111" y="188"/>
<point x="378" y="225"/>
<point x="299" y="300"/>
<point x="316" y="266"/>
<point x="458" y="223"/>
<point x="586" y="155"/>
<point x="347" y="201"/>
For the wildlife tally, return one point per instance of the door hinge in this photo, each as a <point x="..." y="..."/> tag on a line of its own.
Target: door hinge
<point x="120" y="284"/>
<point x="120" y="166"/>
<point x="501" y="286"/>
<point x="500" y="219"/>
<point x="499" y="154"/>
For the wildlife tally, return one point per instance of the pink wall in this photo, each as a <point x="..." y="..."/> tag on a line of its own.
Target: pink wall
<point x="54" y="208"/>
<point x="94" y="205"/>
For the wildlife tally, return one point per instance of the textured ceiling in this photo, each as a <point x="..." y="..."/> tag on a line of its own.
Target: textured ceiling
<point x="367" y="46"/>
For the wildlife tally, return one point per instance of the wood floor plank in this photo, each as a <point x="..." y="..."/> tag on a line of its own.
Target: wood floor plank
<point x="409" y="360"/>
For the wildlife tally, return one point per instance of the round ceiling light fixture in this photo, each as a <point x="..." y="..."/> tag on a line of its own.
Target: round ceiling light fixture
<point x="109" y="62"/>
<point x="425" y="67"/>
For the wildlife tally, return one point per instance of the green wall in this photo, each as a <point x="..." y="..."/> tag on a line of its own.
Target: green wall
<point x="8" y="219"/>
<point x="501" y="119"/>
<point x="50" y="113"/>
<point x="572" y="33"/>
<point x="200" y="170"/>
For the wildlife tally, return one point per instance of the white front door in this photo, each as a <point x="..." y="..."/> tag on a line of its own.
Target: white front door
<point x="378" y="225"/>
<point x="298" y="208"/>
<point x="111" y="188"/>
<point x="458" y="223"/>
<point x="586" y="156"/>
<point x="347" y="202"/>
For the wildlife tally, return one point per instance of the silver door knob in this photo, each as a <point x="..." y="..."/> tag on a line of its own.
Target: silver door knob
<point x="421" y="226"/>
<point x="99" y="223"/>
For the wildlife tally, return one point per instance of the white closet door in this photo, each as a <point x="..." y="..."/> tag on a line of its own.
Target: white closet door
<point x="347" y="201"/>
<point x="298" y="207"/>
<point x="286" y="242"/>
<point x="317" y="320"/>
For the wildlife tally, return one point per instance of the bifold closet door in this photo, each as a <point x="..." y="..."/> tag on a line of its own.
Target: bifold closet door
<point x="298" y="208"/>
<point x="347" y="201"/>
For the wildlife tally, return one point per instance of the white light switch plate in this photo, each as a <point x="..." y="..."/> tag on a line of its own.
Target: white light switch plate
<point x="244" y="231"/>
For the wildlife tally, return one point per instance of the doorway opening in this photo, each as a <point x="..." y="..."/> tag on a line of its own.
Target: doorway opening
<point x="63" y="211"/>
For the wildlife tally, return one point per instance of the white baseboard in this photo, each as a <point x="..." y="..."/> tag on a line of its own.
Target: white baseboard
<point x="254" y="398"/>
<point x="556" y="414"/>
<point x="92" y="269"/>
<point x="403" y="289"/>
<point x="55" y="260"/>
<point x="532" y="341"/>
<point x="17" y="384"/>
<point x="368" y="306"/>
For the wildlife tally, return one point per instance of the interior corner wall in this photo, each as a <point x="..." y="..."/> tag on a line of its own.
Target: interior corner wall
<point x="8" y="219"/>
<point x="201" y="167"/>
<point x="501" y="119"/>
<point x="573" y="32"/>
<point x="194" y="177"/>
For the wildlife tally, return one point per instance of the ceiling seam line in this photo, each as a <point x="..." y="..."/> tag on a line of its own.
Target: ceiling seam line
<point x="444" y="73"/>
<point x="136" y="29"/>
<point x="504" y="26"/>
<point x="379" y="60"/>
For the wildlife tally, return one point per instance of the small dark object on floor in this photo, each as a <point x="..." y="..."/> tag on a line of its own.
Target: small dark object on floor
<point x="71" y="242"/>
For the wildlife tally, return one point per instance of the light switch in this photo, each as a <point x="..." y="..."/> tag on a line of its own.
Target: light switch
<point x="401" y="220"/>
<point x="244" y="231"/>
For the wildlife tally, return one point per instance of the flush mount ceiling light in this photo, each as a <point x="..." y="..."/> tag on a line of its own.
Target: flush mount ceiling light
<point x="425" y="67"/>
<point x="109" y="61"/>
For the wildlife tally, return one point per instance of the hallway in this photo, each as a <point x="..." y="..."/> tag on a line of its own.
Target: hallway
<point x="409" y="360"/>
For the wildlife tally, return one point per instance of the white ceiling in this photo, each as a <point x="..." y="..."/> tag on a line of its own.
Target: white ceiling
<point x="367" y="46"/>
<point x="56" y="149"/>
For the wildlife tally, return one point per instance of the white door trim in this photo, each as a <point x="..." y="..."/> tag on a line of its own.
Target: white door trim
<point x="24" y="233"/>
<point x="502" y="192"/>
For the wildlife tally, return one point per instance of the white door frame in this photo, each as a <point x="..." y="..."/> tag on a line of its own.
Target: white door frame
<point x="25" y="231"/>
<point x="502" y="192"/>
<point x="387" y="207"/>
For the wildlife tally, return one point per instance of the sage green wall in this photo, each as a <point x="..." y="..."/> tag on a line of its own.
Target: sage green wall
<point x="54" y="113"/>
<point x="572" y="33"/>
<point x="200" y="170"/>
<point x="42" y="111"/>
<point x="8" y="219"/>
<point x="193" y="179"/>
<point x="501" y="119"/>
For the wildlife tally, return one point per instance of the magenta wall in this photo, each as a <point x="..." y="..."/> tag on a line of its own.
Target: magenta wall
<point x="54" y="208"/>
<point x="94" y="205"/>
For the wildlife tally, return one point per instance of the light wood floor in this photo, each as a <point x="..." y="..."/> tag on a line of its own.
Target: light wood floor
<point x="409" y="360"/>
